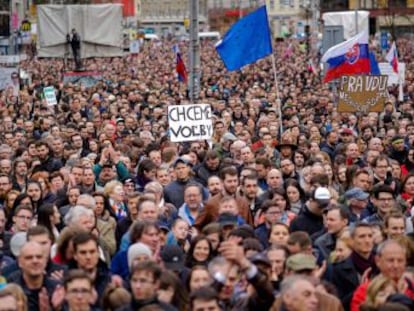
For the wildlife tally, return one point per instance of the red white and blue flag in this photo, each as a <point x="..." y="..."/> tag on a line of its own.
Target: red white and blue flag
<point x="179" y="65"/>
<point x="392" y="57"/>
<point x="348" y="58"/>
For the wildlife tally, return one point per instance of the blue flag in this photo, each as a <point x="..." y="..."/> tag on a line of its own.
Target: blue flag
<point x="373" y="64"/>
<point x="246" y="41"/>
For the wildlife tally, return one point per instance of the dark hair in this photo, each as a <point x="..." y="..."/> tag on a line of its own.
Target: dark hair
<point x="343" y="211"/>
<point x="229" y="170"/>
<point x="299" y="237"/>
<point x="83" y="238"/>
<point x="291" y="182"/>
<point x="381" y="157"/>
<point x="148" y="266"/>
<point x="43" y="216"/>
<point x="377" y="189"/>
<point x="145" y="165"/>
<point x="203" y="294"/>
<point x="180" y="297"/>
<point x="358" y="225"/>
<point x="138" y="228"/>
<point x="76" y="274"/>
<point x="107" y="205"/>
<point x="190" y="260"/>
<point x="39" y="230"/>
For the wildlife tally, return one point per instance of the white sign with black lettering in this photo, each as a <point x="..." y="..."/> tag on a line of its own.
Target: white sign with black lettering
<point x="190" y="122"/>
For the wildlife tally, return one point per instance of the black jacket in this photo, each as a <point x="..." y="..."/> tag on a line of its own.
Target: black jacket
<point x="33" y="294"/>
<point x="138" y="304"/>
<point x="102" y="279"/>
<point x="346" y="280"/>
<point x="50" y="165"/>
<point x="307" y="221"/>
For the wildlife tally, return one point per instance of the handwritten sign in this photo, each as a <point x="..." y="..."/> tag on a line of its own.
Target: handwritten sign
<point x="190" y="122"/>
<point x="362" y="93"/>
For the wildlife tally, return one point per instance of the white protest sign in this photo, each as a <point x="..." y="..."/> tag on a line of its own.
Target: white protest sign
<point x="134" y="47"/>
<point x="190" y="122"/>
<point x="8" y="79"/>
<point x="50" y="95"/>
<point x="386" y="70"/>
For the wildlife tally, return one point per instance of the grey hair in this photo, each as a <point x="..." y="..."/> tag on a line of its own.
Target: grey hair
<point x="290" y="281"/>
<point x="86" y="197"/>
<point x="382" y="246"/>
<point x="75" y="213"/>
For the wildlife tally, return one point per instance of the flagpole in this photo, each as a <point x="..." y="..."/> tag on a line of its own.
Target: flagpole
<point x="279" y="102"/>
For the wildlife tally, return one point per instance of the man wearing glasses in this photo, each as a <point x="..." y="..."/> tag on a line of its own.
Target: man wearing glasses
<point x="145" y="282"/>
<point x="78" y="291"/>
<point x="22" y="219"/>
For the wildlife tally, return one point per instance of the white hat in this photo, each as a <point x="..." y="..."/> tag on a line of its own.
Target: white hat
<point x="322" y="193"/>
<point x="16" y="242"/>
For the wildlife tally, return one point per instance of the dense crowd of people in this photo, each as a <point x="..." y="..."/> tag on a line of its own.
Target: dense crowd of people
<point x="310" y="210"/>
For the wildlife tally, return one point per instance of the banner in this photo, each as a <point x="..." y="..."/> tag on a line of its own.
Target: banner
<point x="190" y="122"/>
<point x="86" y="78"/>
<point x="393" y="78"/>
<point x="50" y="95"/>
<point x="362" y="93"/>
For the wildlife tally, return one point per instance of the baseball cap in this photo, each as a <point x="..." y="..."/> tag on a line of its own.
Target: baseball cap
<point x="173" y="257"/>
<point x="321" y="194"/>
<point x="260" y="258"/>
<point x="299" y="262"/>
<point x="180" y="160"/>
<point x="228" y="136"/>
<point x="347" y="131"/>
<point x="356" y="193"/>
<point x="16" y="243"/>
<point x="227" y="219"/>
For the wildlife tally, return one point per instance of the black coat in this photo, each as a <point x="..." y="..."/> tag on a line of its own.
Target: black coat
<point x="138" y="304"/>
<point x="33" y="294"/>
<point x="307" y="221"/>
<point x="346" y="279"/>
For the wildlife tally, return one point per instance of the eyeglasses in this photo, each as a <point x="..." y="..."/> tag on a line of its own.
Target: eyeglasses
<point x="79" y="291"/>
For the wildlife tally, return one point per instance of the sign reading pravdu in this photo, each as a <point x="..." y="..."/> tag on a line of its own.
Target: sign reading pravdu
<point x="190" y="122"/>
<point x="362" y="93"/>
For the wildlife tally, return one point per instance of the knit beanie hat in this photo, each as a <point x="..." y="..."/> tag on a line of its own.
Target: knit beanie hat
<point x="135" y="250"/>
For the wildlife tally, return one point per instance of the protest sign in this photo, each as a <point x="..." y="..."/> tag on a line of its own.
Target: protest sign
<point x="134" y="46"/>
<point x="50" y="95"/>
<point x="9" y="78"/>
<point x="190" y="122"/>
<point x="393" y="79"/>
<point x="362" y="93"/>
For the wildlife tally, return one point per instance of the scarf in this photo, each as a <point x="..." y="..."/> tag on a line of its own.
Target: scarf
<point x="361" y="264"/>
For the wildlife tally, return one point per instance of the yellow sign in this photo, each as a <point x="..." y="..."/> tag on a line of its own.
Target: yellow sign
<point x="26" y="25"/>
<point x="186" y="22"/>
<point x="362" y="93"/>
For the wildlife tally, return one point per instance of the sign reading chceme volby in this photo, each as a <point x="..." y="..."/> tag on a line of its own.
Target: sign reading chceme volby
<point x="362" y="93"/>
<point x="190" y="122"/>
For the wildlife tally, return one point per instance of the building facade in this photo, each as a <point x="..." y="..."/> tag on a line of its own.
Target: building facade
<point x="395" y="16"/>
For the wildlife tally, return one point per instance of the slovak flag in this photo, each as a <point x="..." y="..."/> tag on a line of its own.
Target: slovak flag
<point x="348" y="58"/>
<point x="179" y="65"/>
<point x="392" y="57"/>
